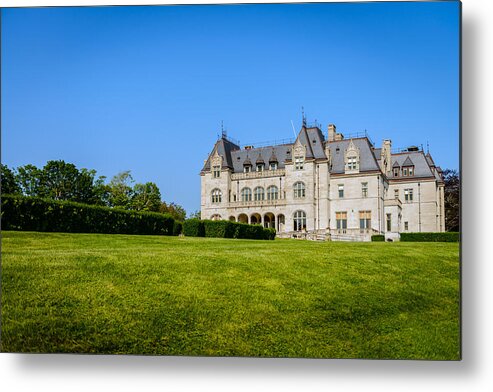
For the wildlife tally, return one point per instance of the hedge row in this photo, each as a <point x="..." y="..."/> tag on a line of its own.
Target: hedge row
<point x="37" y="214"/>
<point x="226" y="229"/>
<point x="378" y="238"/>
<point x="431" y="237"/>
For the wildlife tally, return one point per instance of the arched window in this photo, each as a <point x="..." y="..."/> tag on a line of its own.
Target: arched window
<point x="299" y="220"/>
<point x="216" y="217"/>
<point x="246" y="194"/>
<point x="299" y="190"/>
<point x="216" y="195"/>
<point x="259" y="193"/>
<point x="272" y="193"/>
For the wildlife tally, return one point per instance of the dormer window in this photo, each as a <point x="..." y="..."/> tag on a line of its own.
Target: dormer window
<point x="273" y="166"/>
<point x="298" y="163"/>
<point x="260" y="167"/>
<point x="351" y="158"/>
<point x="247" y="169"/>
<point x="216" y="170"/>
<point x="351" y="163"/>
<point x="396" y="172"/>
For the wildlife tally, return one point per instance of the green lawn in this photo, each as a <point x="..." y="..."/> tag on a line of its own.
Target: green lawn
<point x="94" y="293"/>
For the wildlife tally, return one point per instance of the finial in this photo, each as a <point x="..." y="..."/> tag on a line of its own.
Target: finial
<point x="303" y="116"/>
<point x="427" y="147"/>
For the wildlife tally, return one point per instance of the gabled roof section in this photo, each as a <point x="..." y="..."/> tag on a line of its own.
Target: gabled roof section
<point x="408" y="162"/>
<point x="305" y="140"/>
<point x="396" y="164"/>
<point x="273" y="157"/>
<point x="367" y="161"/>
<point x="224" y="148"/>
<point x="259" y="159"/>
<point x="416" y="159"/>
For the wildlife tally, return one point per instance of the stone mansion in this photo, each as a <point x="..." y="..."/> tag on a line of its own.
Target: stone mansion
<point x="339" y="188"/>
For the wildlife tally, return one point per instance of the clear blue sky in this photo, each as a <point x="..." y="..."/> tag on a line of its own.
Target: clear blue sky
<point x="146" y="88"/>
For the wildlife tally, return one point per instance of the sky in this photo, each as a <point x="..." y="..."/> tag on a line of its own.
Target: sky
<point x="147" y="88"/>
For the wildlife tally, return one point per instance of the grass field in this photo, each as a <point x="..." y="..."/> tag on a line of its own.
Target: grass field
<point x="93" y="293"/>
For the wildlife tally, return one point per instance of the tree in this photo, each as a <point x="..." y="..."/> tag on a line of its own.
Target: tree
<point x="175" y="210"/>
<point x="452" y="200"/>
<point x="63" y="181"/>
<point x="121" y="192"/>
<point x="29" y="179"/>
<point x="9" y="183"/>
<point x="146" y="197"/>
<point x="195" y="215"/>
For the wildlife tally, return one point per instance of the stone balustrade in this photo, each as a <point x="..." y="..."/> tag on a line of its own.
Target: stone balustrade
<point x="258" y="174"/>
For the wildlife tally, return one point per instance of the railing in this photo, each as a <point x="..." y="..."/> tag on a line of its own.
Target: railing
<point x="258" y="174"/>
<point x="271" y="143"/>
<point x="258" y="203"/>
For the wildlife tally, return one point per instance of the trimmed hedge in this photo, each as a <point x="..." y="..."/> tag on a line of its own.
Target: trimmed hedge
<point x="177" y="228"/>
<point x="193" y="228"/>
<point x="431" y="237"/>
<point x="226" y="229"/>
<point x="37" y="214"/>
<point x="378" y="238"/>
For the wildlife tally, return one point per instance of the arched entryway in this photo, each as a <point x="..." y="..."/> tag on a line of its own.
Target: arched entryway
<point x="243" y="218"/>
<point x="270" y="220"/>
<point x="232" y="219"/>
<point x="280" y="222"/>
<point x="256" y="219"/>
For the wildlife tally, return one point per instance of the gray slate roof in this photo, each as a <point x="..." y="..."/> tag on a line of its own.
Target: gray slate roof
<point x="417" y="158"/>
<point x="367" y="159"/>
<point x="238" y="157"/>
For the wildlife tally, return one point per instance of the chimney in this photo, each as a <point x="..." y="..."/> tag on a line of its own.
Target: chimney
<point x="332" y="132"/>
<point x="385" y="156"/>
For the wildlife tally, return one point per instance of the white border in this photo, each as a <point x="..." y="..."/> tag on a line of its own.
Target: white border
<point x="127" y="373"/>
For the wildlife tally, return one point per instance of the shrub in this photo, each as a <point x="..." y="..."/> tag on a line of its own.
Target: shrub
<point x="270" y="233"/>
<point x="431" y="237"/>
<point x="226" y="229"/>
<point x="37" y="214"/>
<point x="219" y="229"/>
<point x="193" y="228"/>
<point x="177" y="227"/>
<point x="378" y="238"/>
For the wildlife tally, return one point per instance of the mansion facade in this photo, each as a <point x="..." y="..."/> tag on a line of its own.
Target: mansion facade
<point x="324" y="187"/>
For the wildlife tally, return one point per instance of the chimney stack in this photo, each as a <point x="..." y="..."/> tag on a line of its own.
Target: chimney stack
<point x="332" y="132"/>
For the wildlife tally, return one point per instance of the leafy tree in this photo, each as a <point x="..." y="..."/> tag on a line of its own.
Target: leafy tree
<point x="146" y="197"/>
<point x="120" y="191"/>
<point x="63" y="181"/>
<point x="102" y="191"/>
<point x="452" y="200"/>
<point x="175" y="210"/>
<point x="29" y="178"/>
<point x="9" y="181"/>
<point x="195" y="215"/>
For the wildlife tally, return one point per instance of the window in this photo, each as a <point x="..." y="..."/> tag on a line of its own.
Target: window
<point x="299" y="190"/>
<point x="364" y="189"/>
<point x="341" y="221"/>
<point x="406" y="226"/>
<point x="341" y="190"/>
<point x="246" y="194"/>
<point x="299" y="220"/>
<point x="272" y="193"/>
<point x="408" y="195"/>
<point x="258" y="193"/>
<point x="404" y="171"/>
<point x="298" y="163"/>
<point x="364" y="221"/>
<point x="273" y="166"/>
<point x="246" y="169"/>
<point x="216" y="217"/>
<point x="396" y="172"/>
<point x="351" y="163"/>
<point x="396" y="194"/>
<point x="217" y="171"/>
<point x="260" y="167"/>
<point x="411" y="171"/>
<point x="389" y="222"/>
<point x="216" y="195"/>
